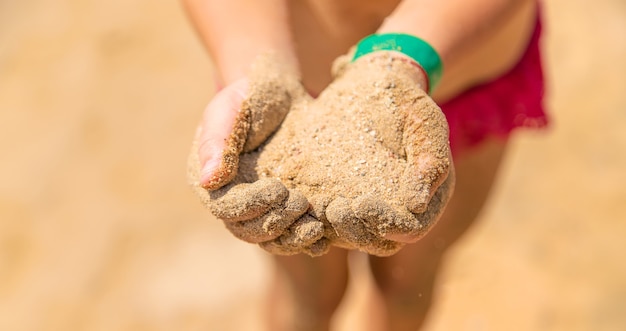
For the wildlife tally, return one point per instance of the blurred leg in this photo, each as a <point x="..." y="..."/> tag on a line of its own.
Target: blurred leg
<point x="306" y="291"/>
<point x="406" y="280"/>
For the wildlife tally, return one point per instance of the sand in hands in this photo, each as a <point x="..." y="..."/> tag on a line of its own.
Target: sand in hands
<point x="363" y="160"/>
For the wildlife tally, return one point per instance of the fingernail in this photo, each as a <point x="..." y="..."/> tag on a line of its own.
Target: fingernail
<point x="208" y="170"/>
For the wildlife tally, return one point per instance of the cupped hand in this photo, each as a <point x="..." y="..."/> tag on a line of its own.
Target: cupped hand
<point x="237" y="120"/>
<point x="365" y="166"/>
<point x="371" y="154"/>
<point x="392" y="99"/>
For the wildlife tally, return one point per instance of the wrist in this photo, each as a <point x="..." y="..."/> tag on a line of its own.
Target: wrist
<point x="241" y="64"/>
<point x="406" y="48"/>
<point x="399" y="63"/>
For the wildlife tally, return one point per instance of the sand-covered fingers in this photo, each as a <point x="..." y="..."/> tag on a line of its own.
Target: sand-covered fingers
<point x="303" y="236"/>
<point x="387" y="221"/>
<point x="426" y="144"/>
<point x="372" y="132"/>
<point x="438" y="202"/>
<point x="240" y="202"/>
<point x="271" y="224"/>
<point x="242" y="115"/>
<point x="346" y="224"/>
<point x="397" y="223"/>
<point x="318" y="248"/>
<point x="268" y="104"/>
<point x="304" y="232"/>
<point x="354" y="230"/>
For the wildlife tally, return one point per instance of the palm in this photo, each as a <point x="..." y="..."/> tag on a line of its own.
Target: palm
<point x="370" y="154"/>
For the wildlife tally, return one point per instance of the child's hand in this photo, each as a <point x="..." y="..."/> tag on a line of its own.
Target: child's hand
<point x="410" y="125"/>
<point x="371" y="154"/>
<point x="239" y="119"/>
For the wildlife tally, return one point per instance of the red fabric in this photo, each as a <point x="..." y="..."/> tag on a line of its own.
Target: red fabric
<point x="496" y="108"/>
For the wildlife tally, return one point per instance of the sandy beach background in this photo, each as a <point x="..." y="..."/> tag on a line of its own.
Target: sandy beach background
<point x="99" y="231"/>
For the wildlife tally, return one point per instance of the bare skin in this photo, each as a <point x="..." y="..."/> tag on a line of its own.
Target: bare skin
<point x="483" y="49"/>
<point x="405" y="281"/>
<point x="322" y="30"/>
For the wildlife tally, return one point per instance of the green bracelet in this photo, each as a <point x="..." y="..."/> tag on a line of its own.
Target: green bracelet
<point x="415" y="48"/>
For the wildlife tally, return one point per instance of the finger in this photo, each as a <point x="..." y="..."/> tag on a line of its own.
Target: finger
<point x="223" y="131"/>
<point x="319" y="203"/>
<point x="275" y="85"/>
<point x="427" y="148"/>
<point x="302" y="233"/>
<point x="273" y="247"/>
<point x="284" y="215"/>
<point x="352" y="229"/>
<point x="241" y="202"/>
<point x="399" y="224"/>
<point x="383" y="248"/>
<point x="272" y="224"/>
<point x="393" y="223"/>
<point x="318" y="248"/>
<point x="268" y="104"/>
<point x="251" y="231"/>
<point x="347" y="225"/>
<point x="193" y="174"/>
<point x="437" y="204"/>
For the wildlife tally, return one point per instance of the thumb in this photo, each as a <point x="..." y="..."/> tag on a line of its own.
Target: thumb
<point x="428" y="153"/>
<point x="221" y="135"/>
